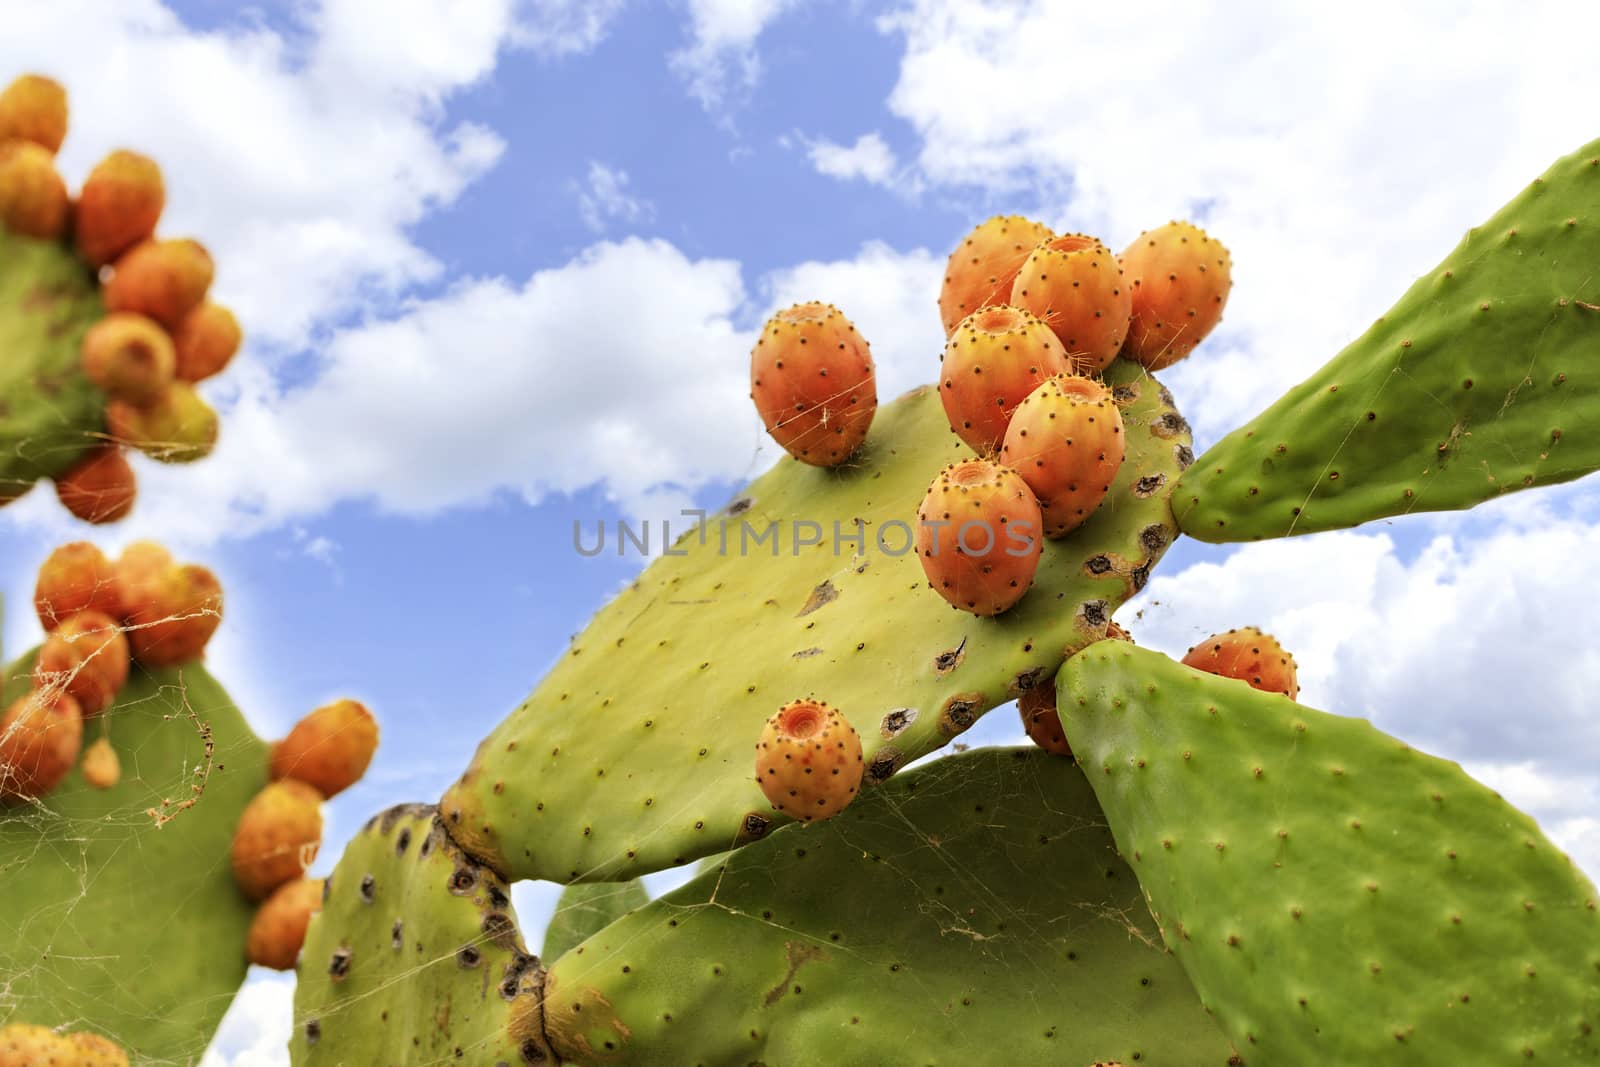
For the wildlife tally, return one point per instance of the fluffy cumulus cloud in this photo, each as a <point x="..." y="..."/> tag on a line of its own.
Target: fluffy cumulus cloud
<point x="254" y="1031"/>
<point x="720" y="60"/>
<point x="604" y="199"/>
<point x="1456" y="648"/>
<point x="869" y="159"/>
<point x="1339" y="151"/>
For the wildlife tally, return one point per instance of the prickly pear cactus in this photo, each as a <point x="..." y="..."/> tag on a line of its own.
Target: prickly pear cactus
<point x="1481" y="381"/>
<point x="585" y="909"/>
<point x="1336" y="895"/>
<point x="50" y="415"/>
<point x="970" y="911"/>
<point x="635" y="752"/>
<point x="120" y="908"/>
<point x="415" y="957"/>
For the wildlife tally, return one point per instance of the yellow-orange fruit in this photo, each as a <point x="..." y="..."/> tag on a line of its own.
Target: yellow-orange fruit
<point x="100" y="765"/>
<point x="206" y="341"/>
<point x="1066" y="442"/>
<point x="87" y="656"/>
<point x="1179" y="277"/>
<point x="92" y="1050"/>
<point x="996" y="357"/>
<point x="814" y="383"/>
<point x="1039" y="718"/>
<point x="100" y="488"/>
<point x="40" y="735"/>
<point x="1076" y="286"/>
<point x="129" y="356"/>
<point x="118" y="207"/>
<point x="329" y="748"/>
<point x="984" y="266"/>
<point x="1250" y="656"/>
<point x="33" y="198"/>
<point x="979" y="535"/>
<point x="27" y="1045"/>
<point x="174" y="615"/>
<point x="34" y="108"/>
<point x="808" y="761"/>
<point x="137" y="574"/>
<point x="75" y="577"/>
<point x="177" y="426"/>
<point x="277" y="837"/>
<point x="279" y="928"/>
<point x="163" y="279"/>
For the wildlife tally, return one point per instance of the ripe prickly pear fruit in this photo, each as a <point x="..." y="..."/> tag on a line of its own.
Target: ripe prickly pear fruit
<point x="87" y="657"/>
<point x="33" y="198"/>
<point x="118" y="207"/>
<point x="206" y="341"/>
<point x="814" y="384"/>
<point x="1037" y="706"/>
<point x="997" y="356"/>
<point x="1066" y="442"/>
<point x="177" y="426"/>
<point x="129" y="356"/>
<point x="171" y="615"/>
<point x="99" y="488"/>
<point x="34" y="108"/>
<point x="101" y="767"/>
<point x="979" y="536"/>
<point x="164" y="279"/>
<point x="808" y="761"/>
<point x="40" y="735"/>
<point x="1250" y="656"/>
<point x="92" y="1050"/>
<point x="75" y="577"/>
<point x="1179" y="278"/>
<point x="27" y="1045"/>
<point x="138" y="571"/>
<point x="277" y="837"/>
<point x="1076" y="286"/>
<point x="329" y="748"/>
<point x="279" y="928"/>
<point x="984" y="266"/>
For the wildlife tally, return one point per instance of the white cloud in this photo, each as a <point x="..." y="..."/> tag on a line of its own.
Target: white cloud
<point x="721" y="59"/>
<point x="604" y="198"/>
<point x="566" y="27"/>
<point x="1466" y="651"/>
<point x="1339" y="151"/>
<point x="255" y="1031"/>
<point x="870" y="159"/>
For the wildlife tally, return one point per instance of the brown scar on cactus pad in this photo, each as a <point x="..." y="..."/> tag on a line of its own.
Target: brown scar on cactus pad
<point x="814" y="383"/>
<point x="277" y="837"/>
<point x="40" y="735"/>
<point x="1180" y="278"/>
<point x="34" y="108"/>
<point x="979" y="536"/>
<point x="330" y="748"/>
<point x="1077" y="287"/>
<point x="1066" y="442"/>
<point x="33" y="198"/>
<point x="279" y="928"/>
<point x="86" y="657"/>
<point x="808" y="761"/>
<point x="995" y="358"/>
<point x="100" y="488"/>
<point x="1250" y="656"/>
<point x="984" y="266"/>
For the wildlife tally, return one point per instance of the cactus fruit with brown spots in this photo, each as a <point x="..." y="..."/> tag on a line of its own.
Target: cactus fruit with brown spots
<point x="814" y="383"/>
<point x="808" y="760"/>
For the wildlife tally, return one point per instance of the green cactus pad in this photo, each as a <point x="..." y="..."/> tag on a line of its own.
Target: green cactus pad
<point x="970" y="911"/>
<point x="415" y="957"/>
<point x="636" y="751"/>
<point x="112" y="922"/>
<point x="1482" y="380"/>
<point x="49" y="412"/>
<point x="1336" y="896"/>
<point x="587" y="908"/>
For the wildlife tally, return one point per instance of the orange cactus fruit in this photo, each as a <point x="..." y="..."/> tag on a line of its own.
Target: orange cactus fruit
<point x="87" y="656"/>
<point x="40" y="736"/>
<point x="206" y="340"/>
<point x="279" y="927"/>
<point x="808" y="760"/>
<point x="329" y="748"/>
<point x="984" y="266"/>
<point x="814" y="383"/>
<point x="118" y="206"/>
<point x="277" y="838"/>
<point x="1076" y="286"/>
<point x="75" y="577"/>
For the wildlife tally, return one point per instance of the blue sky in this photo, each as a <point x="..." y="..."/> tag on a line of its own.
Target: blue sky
<point x="500" y="261"/>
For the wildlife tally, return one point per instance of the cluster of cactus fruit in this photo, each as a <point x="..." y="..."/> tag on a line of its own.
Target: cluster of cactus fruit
<point x="1189" y="867"/>
<point x="107" y="328"/>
